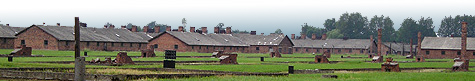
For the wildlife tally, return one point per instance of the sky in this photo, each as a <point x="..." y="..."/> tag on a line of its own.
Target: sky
<point x="263" y="16"/>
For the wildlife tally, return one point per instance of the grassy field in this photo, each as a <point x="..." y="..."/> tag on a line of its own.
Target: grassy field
<point x="251" y="63"/>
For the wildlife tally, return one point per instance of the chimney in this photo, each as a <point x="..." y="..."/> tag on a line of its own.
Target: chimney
<point x="112" y="26"/>
<point x="419" y="41"/>
<point x="123" y="27"/>
<point x="379" y="41"/>
<point x="228" y="30"/>
<point x="83" y="24"/>
<point x="371" y="40"/>
<point x="169" y="28"/>
<point x="180" y="28"/>
<point x="204" y="30"/>
<point x="58" y="24"/>
<point x="8" y="24"/>
<point x="324" y="36"/>
<point x="410" y="51"/>
<point x="464" y="42"/>
<point x="134" y="28"/>
<point x="216" y="30"/>
<point x="145" y="29"/>
<point x="156" y="29"/>
<point x="292" y="36"/>
<point x="314" y="36"/>
<point x="303" y="36"/>
<point x="253" y="32"/>
<point x="192" y="29"/>
<point x="105" y="26"/>
<point x="262" y="33"/>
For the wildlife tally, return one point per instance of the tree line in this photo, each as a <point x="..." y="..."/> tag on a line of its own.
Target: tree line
<point x="356" y="26"/>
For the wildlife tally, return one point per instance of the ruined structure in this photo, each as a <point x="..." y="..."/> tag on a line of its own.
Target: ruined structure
<point x="217" y="53"/>
<point x="275" y="54"/>
<point x="463" y="63"/>
<point x="327" y="54"/>
<point x="147" y="53"/>
<point x="122" y="58"/>
<point x="228" y="59"/>
<point x="22" y="51"/>
<point x="390" y="66"/>
<point x="379" y="57"/>
<point x="321" y="59"/>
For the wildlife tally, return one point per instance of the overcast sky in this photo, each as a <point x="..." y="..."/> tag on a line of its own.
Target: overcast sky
<point x="263" y="16"/>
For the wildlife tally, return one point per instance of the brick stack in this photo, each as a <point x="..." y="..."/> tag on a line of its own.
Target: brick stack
<point x="390" y="66"/>
<point x="321" y="59"/>
<point x="23" y="51"/>
<point x="122" y="58"/>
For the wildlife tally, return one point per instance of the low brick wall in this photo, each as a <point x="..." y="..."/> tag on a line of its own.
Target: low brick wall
<point x="311" y="71"/>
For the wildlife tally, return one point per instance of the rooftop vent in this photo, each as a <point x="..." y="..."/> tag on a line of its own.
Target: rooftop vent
<point x="149" y="36"/>
<point x="117" y="35"/>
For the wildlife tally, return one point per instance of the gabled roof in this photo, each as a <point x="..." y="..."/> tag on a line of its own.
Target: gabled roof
<point x="398" y="46"/>
<point x="205" y="39"/>
<point x="451" y="43"/>
<point x="147" y="36"/>
<point x="9" y="32"/>
<point x="334" y="43"/>
<point x="66" y="33"/>
<point x="272" y="39"/>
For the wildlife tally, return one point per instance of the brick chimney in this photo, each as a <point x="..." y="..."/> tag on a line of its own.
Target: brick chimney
<point x="145" y="29"/>
<point x="156" y="29"/>
<point x="228" y="30"/>
<point x="192" y="29"/>
<point x="134" y="28"/>
<point x="303" y="36"/>
<point x="169" y="28"/>
<point x="314" y="36"/>
<point x="58" y="24"/>
<point x="253" y="32"/>
<point x="180" y="28"/>
<point x="292" y="36"/>
<point x="204" y="30"/>
<point x="8" y="24"/>
<point x="262" y="33"/>
<point x="379" y="41"/>
<point x="419" y="42"/>
<point x="410" y="51"/>
<point x="105" y="26"/>
<point x="324" y="36"/>
<point x="123" y="27"/>
<point x="216" y="30"/>
<point x="464" y="54"/>
<point x="371" y="40"/>
<point x="112" y="26"/>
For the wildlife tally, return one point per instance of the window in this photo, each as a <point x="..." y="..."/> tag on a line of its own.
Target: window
<point x="207" y="47"/>
<point x="155" y="46"/>
<point x="297" y="49"/>
<point x="122" y="44"/>
<point x="67" y="43"/>
<point x="192" y="47"/>
<point x="4" y="40"/>
<point x="200" y="47"/>
<point x="45" y="42"/>
<point x="306" y="50"/>
<point x="257" y="48"/>
<point x="112" y="44"/>
<point x="214" y="47"/>
<point x="22" y="42"/>
<point x="280" y="50"/>
<point x="97" y="44"/>
<point x="361" y="51"/>
<point x="224" y="48"/>
<point x="350" y="51"/>
<point x="318" y="50"/>
<point x="140" y="45"/>
<point x="131" y="44"/>
<point x="427" y="52"/>
<point x="473" y="53"/>
<point x="387" y="52"/>
<point x="87" y="43"/>
<point x="443" y="52"/>
<point x="339" y="50"/>
<point x="230" y="48"/>
<point x="458" y="53"/>
<point x="176" y="46"/>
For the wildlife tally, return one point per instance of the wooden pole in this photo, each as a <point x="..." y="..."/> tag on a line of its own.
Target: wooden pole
<point x="77" y="52"/>
<point x="79" y="67"/>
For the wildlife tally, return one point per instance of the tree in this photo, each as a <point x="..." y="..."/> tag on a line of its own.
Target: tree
<point x="335" y="34"/>
<point x="386" y="24"/>
<point x="353" y="25"/>
<point x="183" y="21"/>
<point x="154" y="23"/>
<point x="237" y="31"/>
<point x="309" y="30"/>
<point x="278" y="31"/>
<point x="329" y="24"/>
<point x="410" y="28"/>
<point x="451" y="26"/>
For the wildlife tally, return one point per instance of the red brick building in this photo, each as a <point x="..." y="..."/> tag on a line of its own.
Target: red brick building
<point x="397" y="48"/>
<point x="334" y="46"/>
<point x="445" y="47"/>
<point x="7" y="36"/>
<point x="207" y="43"/>
<point x="62" y="38"/>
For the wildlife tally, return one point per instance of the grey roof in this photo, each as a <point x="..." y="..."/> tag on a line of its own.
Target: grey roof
<point x="334" y="43"/>
<point x="146" y="36"/>
<point x="452" y="43"/>
<point x="207" y="39"/>
<point x="66" y="33"/>
<point x="9" y="32"/>
<point x="398" y="46"/>
<point x="272" y="39"/>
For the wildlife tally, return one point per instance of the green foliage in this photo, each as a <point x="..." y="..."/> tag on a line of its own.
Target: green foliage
<point x="309" y="30"/>
<point x="388" y="32"/>
<point x="410" y="28"/>
<point x="330" y="24"/>
<point x="335" y="34"/>
<point x="278" y="31"/>
<point x="353" y="25"/>
<point x="451" y="26"/>
<point x="238" y="31"/>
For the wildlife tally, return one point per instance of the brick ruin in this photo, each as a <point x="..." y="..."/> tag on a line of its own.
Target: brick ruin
<point x="327" y="54"/>
<point x="122" y="58"/>
<point x="275" y="54"/>
<point x="321" y="59"/>
<point x="147" y="52"/>
<point x="419" y="56"/>
<point x="461" y="64"/>
<point x="411" y="55"/>
<point x="228" y="59"/>
<point x="378" y="57"/>
<point x="22" y="51"/>
<point x="390" y="66"/>
<point x="217" y="53"/>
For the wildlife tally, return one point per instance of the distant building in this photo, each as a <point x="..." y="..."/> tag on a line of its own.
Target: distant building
<point x="7" y="36"/>
<point x="445" y="47"/>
